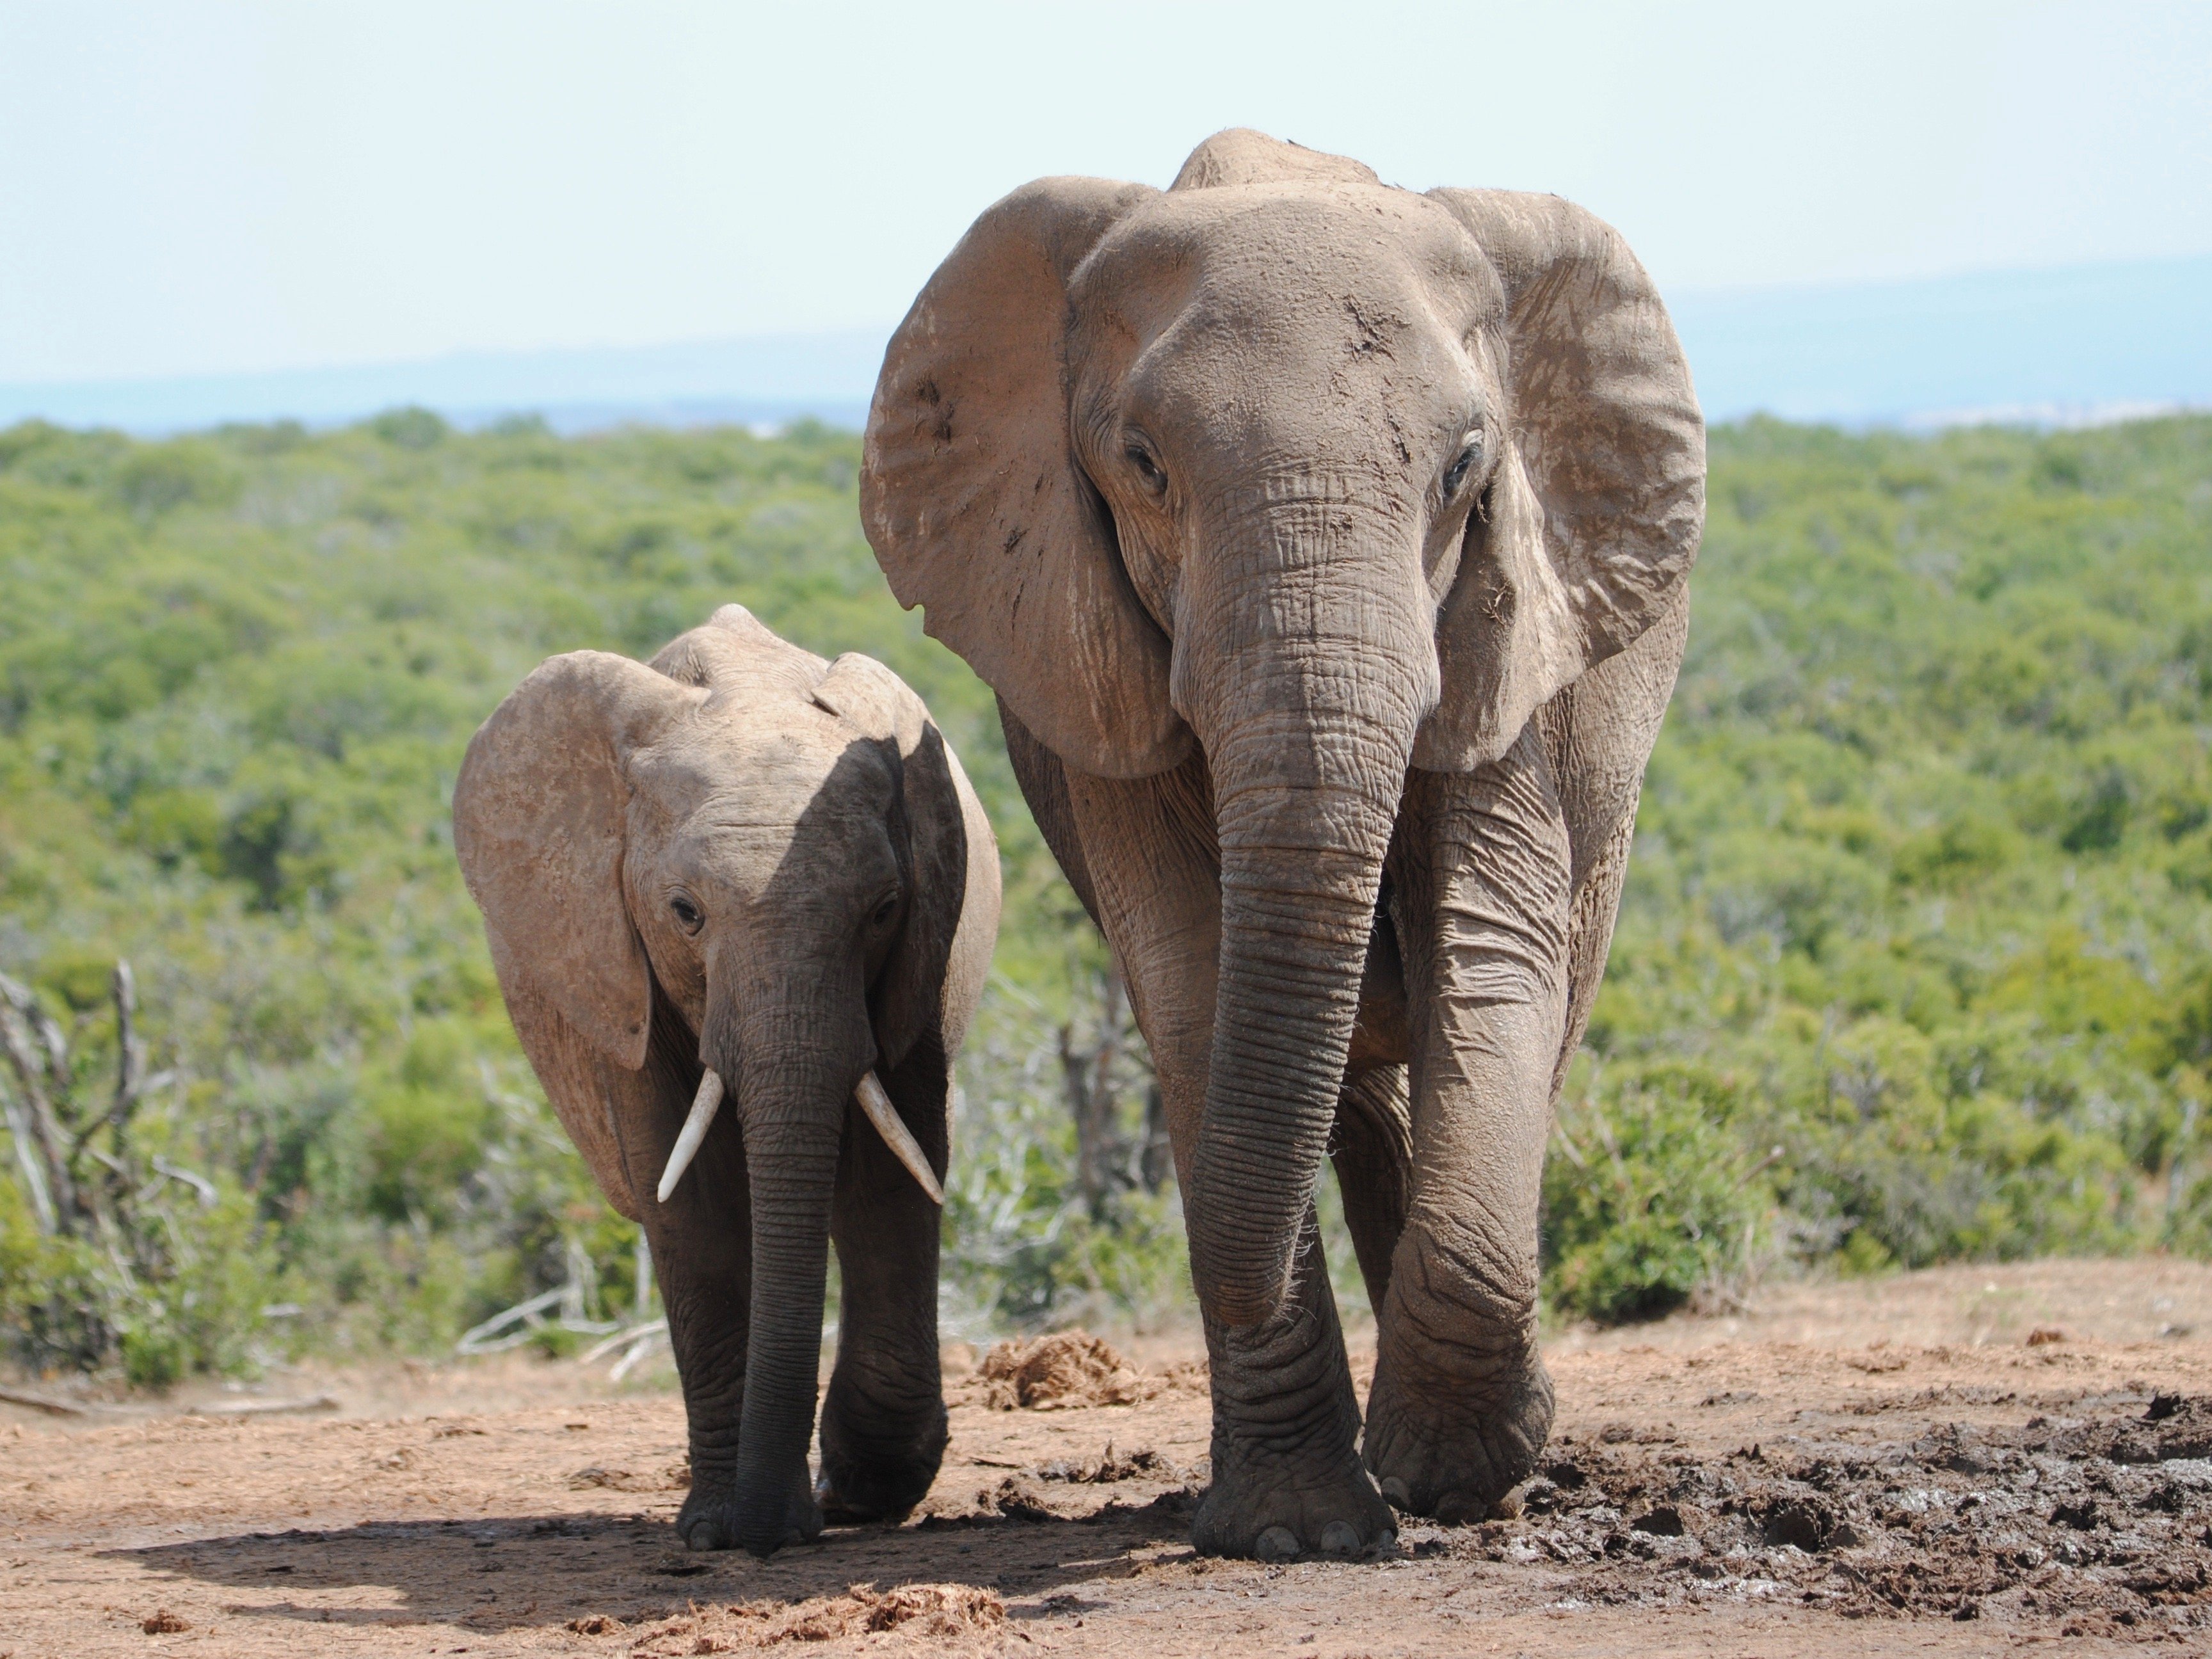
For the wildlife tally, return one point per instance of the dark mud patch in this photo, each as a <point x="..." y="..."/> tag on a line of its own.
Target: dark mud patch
<point x="2095" y="1525"/>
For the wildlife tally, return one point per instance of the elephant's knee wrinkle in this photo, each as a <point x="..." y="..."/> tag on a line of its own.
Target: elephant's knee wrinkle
<point x="1460" y="1311"/>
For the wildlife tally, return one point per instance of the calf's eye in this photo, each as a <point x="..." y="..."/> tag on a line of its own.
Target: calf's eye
<point x="688" y="914"/>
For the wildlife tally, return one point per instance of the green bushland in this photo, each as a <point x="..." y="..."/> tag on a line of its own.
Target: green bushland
<point x="1919" y="924"/>
<point x="1913" y="962"/>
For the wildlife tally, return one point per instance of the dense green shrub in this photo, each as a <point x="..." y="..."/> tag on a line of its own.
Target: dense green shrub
<point x="1651" y="1195"/>
<point x="1921" y="892"/>
<point x="1921" y="871"/>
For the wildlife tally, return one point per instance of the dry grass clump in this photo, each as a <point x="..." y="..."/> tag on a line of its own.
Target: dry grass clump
<point x="945" y="1609"/>
<point x="939" y="1611"/>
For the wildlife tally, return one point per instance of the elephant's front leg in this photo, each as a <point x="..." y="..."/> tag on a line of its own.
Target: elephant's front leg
<point x="1462" y="1403"/>
<point x="702" y="1244"/>
<point x="883" y="1423"/>
<point x="1287" y="1472"/>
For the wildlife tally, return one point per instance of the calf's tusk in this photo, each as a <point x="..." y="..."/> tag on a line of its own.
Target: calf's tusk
<point x="892" y="1127"/>
<point x="704" y="1105"/>
<point x="873" y="1101"/>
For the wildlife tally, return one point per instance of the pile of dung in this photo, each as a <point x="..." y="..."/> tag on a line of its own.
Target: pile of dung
<point x="942" y="1610"/>
<point x="1063" y="1371"/>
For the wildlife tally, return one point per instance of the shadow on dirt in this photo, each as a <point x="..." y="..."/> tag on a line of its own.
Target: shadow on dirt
<point x="614" y="1571"/>
<point x="2094" y="1524"/>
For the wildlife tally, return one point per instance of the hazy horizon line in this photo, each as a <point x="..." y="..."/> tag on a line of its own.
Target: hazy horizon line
<point x="1702" y="294"/>
<point x="2121" y="333"/>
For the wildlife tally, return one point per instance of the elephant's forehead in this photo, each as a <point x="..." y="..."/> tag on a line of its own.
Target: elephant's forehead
<point x="1278" y="245"/>
<point x="747" y="770"/>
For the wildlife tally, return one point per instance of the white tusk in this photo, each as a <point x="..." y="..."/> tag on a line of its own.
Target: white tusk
<point x="704" y="1105"/>
<point x="892" y="1127"/>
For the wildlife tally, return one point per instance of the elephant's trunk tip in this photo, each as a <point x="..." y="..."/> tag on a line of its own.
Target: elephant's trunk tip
<point x="704" y="1105"/>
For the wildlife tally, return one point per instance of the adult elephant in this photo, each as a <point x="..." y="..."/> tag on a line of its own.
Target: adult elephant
<point x="1325" y="544"/>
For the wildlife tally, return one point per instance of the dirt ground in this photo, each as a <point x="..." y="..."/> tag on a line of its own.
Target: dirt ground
<point x="1968" y="1461"/>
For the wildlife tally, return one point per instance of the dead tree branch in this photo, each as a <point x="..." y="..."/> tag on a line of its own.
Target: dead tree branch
<point x="25" y="1029"/>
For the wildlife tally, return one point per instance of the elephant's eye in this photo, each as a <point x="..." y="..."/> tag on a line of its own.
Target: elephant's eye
<point x="885" y="911"/>
<point x="1148" y="470"/>
<point x="688" y="914"/>
<point x="1469" y="456"/>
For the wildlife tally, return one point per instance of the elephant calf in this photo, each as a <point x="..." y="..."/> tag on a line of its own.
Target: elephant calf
<point x="744" y="873"/>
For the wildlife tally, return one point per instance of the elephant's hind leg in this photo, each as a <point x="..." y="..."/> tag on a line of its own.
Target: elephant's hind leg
<point x="1372" y="1147"/>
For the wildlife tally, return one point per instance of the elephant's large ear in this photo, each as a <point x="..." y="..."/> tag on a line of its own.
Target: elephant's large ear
<point x="539" y="816"/>
<point x="907" y="998"/>
<point x="1594" y="513"/>
<point x="970" y="493"/>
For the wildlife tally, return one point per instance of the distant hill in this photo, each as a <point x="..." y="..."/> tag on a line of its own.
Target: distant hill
<point x="2077" y="347"/>
<point x="764" y="382"/>
<point x="2050" y="348"/>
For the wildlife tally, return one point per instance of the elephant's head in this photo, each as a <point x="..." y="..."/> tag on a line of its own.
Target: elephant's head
<point x="772" y="849"/>
<point x="1330" y="478"/>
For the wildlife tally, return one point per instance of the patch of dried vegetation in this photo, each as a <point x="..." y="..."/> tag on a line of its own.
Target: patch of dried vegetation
<point x="941" y="1612"/>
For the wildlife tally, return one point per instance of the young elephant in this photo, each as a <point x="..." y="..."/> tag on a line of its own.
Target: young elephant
<point x="744" y="875"/>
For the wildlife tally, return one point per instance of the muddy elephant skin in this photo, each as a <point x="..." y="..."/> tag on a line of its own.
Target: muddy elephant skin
<point x="1325" y="544"/>
<point x="745" y="875"/>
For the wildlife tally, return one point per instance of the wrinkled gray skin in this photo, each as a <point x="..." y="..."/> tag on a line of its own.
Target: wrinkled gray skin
<point x="747" y="858"/>
<point x="1326" y="545"/>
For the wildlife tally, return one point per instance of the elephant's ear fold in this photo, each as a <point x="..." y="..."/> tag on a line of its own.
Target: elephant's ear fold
<point x="872" y="700"/>
<point x="970" y="493"/>
<point x="539" y="813"/>
<point x="1594" y="513"/>
<point x="908" y="996"/>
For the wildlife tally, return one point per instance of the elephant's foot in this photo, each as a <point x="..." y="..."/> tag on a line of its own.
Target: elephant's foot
<point x="1273" y="1504"/>
<point x="877" y="1462"/>
<point x="711" y="1517"/>
<point x="1286" y="1474"/>
<point x="1452" y="1449"/>
<point x="858" y="1495"/>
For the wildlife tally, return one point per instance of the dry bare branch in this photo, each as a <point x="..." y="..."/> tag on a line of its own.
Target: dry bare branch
<point x="24" y="1027"/>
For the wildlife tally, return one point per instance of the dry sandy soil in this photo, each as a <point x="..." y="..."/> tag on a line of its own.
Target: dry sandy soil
<point x="1912" y="1465"/>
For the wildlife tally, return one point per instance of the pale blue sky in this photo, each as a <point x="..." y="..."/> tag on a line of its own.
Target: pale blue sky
<point x="213" y="187"/>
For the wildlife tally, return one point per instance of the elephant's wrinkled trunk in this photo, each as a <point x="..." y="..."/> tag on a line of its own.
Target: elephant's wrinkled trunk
<point x="792" y="1100"/>
<point x="1308" y="720"/>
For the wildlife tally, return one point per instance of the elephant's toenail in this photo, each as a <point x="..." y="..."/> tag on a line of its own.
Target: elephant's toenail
<point x="1397" y="1492"/>
<point x="1276" y="1544"/>
<point x="702" y="1535"/>
<point x="1338" y="1539"/>
<point x="1386" y="1542"/>
<point x="1454" y="1507"/>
